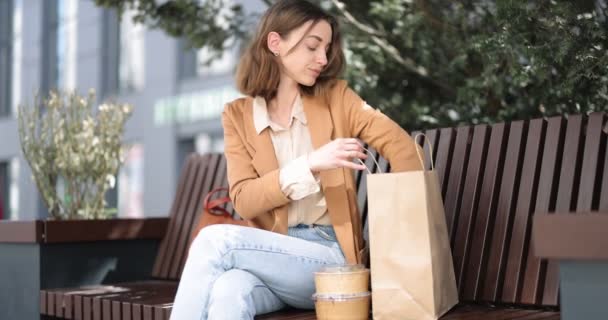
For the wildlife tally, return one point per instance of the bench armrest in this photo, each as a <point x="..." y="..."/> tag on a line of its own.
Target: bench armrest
<point x="63" y="231"/>
<point x="580" y="236"/>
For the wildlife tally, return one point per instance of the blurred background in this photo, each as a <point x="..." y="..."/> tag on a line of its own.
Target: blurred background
<point x="426" y="63"/>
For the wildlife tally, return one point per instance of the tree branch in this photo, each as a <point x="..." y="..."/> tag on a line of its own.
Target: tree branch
<point x="380" y="39"/>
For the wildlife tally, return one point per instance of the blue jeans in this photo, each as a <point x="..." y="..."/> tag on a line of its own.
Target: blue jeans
<point x="235" y="272"/>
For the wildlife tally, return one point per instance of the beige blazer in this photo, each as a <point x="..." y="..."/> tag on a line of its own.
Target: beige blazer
<point x="253" y="172"/>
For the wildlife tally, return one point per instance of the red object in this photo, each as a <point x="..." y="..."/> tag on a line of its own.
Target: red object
<point x="213" y="213"/>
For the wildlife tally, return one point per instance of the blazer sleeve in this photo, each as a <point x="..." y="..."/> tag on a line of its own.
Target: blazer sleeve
<point x="251" y="194"/>
<point x="379" y="131"/>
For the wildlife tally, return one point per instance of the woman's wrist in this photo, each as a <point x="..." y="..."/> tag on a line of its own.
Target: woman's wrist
<point x="310" y="164"/>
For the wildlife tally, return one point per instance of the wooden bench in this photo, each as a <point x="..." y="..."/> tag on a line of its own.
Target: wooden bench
<point x="493" y="179"/>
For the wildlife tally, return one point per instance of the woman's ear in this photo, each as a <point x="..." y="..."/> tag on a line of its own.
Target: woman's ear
<point x="274" y="43"/>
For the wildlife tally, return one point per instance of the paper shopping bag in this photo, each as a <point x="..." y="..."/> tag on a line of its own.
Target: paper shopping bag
<point x="412" y="272"/>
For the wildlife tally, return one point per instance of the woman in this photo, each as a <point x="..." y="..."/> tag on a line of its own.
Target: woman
<point x="290" y="146"/>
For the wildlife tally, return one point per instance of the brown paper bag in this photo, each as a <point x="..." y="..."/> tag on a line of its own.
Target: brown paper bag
<point x="412" y="272"/>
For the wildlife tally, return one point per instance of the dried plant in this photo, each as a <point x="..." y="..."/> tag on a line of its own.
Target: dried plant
<point x="74" y="151"/>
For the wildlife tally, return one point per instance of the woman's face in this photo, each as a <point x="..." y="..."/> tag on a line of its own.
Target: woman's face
<point x="306" y="61"/>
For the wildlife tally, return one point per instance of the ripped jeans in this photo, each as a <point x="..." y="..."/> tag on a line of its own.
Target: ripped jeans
<point x="236" y="272"/>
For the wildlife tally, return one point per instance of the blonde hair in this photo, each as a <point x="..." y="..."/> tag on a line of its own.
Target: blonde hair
<point x="258" y="72"/>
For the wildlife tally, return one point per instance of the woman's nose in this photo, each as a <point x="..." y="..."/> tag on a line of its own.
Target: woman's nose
<point x="322" y="59"/>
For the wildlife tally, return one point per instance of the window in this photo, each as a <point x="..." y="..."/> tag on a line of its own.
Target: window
<point x="192" y="62"/>
<point x="201" y="143"/>
<point x="184" y="148"/>
<point x="131" y="183"/>
<point x="59" y="29"/>
<point x="8" y="19"/>
<point x="186" y="62"/>
<point x="66" y="43"/>
<point x="110" y="47"/>
<point x="3" y="190"/>
<point x="17" y="54"/>
<point x="205" y="143"/>
<point x="131" y="53"/>
<point x="123" y="58"/>
<point x="9" y="191"/>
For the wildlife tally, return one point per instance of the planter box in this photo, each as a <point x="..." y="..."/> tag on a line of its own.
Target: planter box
<point x="579" y="242"/>
<point x="45" y="254"/>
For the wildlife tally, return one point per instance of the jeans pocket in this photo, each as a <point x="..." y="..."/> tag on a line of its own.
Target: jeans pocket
<point x="323" y="234"/>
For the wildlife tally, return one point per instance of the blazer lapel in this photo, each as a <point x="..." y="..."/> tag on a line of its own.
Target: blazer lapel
<point x="319" y="121"/>
<point x="321" y="128"/>
<point x="264" y="158"/>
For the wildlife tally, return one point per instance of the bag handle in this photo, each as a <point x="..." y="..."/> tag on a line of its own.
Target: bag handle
<point x="417" y="152"/>
<point x="373" y="158"/>
<point x="214" y="205"/>
<point x="426" y="140"/>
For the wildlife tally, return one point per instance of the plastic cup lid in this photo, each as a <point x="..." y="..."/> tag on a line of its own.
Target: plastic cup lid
<point x="342" y="268"/>
<point x="339" y="296"/>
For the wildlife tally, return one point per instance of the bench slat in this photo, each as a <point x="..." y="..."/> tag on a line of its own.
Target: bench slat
<point x="96" y="307"/>
<point x="126" y="312"/>
<point x="106" y="306"/>
<point x="525" y="203"/>
<point x="203" y="184"/>
<point x="287" y="314"/>
<point x="456" y="179"/>
<point x="445" y="148"/>
<point x="58" y="304"/>
<point x="587" y="194"/>
<point x="116" y="311"/>
<point x="87" y="309"/>
<point x="43" y="309"/>
<point x="479" y="312"/>
<point x="181" y="235"/>
<point x="603" y="203"/>
<point x="506" y="203"/>
<point x="185" y="181"/>
<point x="362" y="188"/>
<point x="50" y="307"/>
<point x="68" y="308"/>
<point x="214" y="179"/>
<point x="485" y="212"/>
<point x="570" y="162"/>
<point x="468" y="207"/>
<point x="148" y="312"/>
<point x="137" y="311"/>
<point x="78" y="308"/>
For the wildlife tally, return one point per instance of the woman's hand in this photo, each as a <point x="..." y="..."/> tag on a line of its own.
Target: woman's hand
<point x="337" y="154"/>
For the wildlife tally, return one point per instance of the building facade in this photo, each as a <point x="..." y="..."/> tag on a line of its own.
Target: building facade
<point x="75" y="45"/>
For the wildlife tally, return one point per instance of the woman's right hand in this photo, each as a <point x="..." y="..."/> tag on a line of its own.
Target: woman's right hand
<point x="337" y="154"/>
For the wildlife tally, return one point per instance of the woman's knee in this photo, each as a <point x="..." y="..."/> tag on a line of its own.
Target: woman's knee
<point x="234" y="283"/>
<point x="238" y="294"/>
<point x="231" y="295"/>
<point x="209" y="241"/>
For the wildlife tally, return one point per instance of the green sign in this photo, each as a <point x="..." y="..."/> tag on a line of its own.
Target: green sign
<point x="186" y="108"/>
